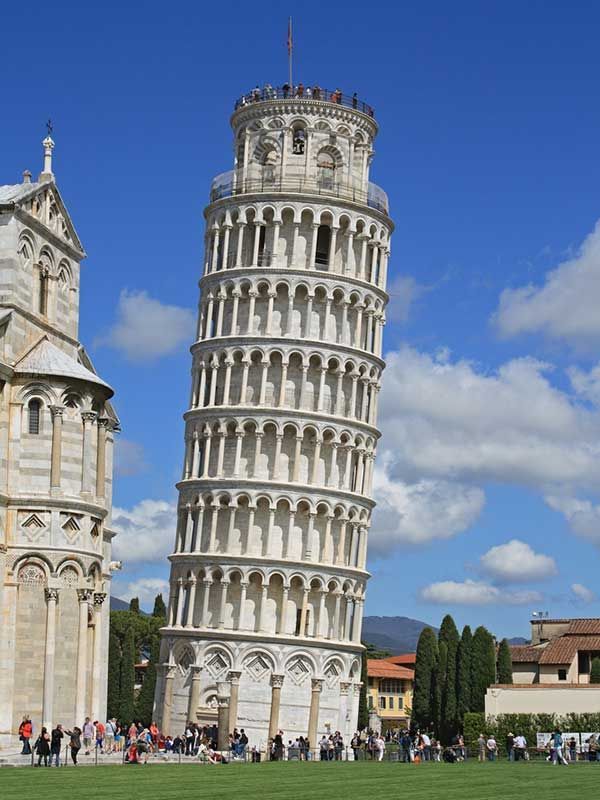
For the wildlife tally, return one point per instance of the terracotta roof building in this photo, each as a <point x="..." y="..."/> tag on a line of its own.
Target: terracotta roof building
<point x="389" y="694"/>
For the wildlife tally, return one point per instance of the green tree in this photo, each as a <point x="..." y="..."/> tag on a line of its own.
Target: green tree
<point x="128" y="660"/>
<point x="134" y="605"/>
<point x="363" y="708"/>
<point x="595" y="673"/>
<point x="114" y="675"/>
<point x="144" y="703"/>
<point x="439" y="690"/>
<point x="483" y="667"/>
<point x="160" y="609"/>
<point x="448" y="635"/>
<point x="504" y="663"/>
<point x="423" y="708"/>
<point x="463" y="675"/>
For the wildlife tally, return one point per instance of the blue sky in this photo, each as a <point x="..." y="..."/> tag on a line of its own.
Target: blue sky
<point x="488" y="149"/>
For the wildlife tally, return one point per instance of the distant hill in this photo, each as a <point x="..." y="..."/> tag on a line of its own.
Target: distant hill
<point x="118" y="605"/>
<point x="396" y="634"/>
<point x="518" y="640"/>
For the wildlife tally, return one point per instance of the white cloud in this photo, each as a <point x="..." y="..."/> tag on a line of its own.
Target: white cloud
<point x="449" y="427"/>
<point x="404" y="291"/>
<point x="145" y="589"/>
<point x="146" y="533"/>
<point x="516" y="562"/>
<point x="452" y="421"/>
<point x="582" y="515"/>
<point x="417" y="513"/>
<point x="582" y="593"/>
<point x="565" y="307"/>
<point x="129" y="457"/>
<point x="475" y="593"/>
<point x="586" y="384"/>
<point x="147" y="329"/>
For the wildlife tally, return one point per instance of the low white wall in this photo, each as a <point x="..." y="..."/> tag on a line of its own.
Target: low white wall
<point x="542" y="699"/>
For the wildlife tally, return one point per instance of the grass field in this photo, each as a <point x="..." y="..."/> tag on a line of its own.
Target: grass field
<point x="305" y="781"/>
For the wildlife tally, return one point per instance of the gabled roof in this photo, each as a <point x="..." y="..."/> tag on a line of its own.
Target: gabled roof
<point x="45" y="358"/>
<point x="18" y="193"/>
<point x="584" y="627"/>
<point x="563" y="649"/>
<point x="381" y="668"/>
<point x="525" y="653"/>
<point x="405" y="660"/>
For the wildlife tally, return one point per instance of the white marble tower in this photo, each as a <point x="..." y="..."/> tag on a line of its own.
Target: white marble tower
<point x="268" y="570"/>
<point x="56" y="435"/>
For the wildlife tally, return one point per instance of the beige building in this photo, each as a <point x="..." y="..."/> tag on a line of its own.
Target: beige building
<point x="56" y="436"/>
<point x="268" y="572"/>
<point x="389" y="694"/>
<point x="552" y="674"/>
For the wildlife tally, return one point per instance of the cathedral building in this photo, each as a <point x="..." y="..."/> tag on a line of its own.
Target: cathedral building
<point x="56" y="440"/>
<point x="268" y="570"/>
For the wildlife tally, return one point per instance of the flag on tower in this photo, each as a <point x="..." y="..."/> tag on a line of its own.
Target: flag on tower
<point x="290" y="44"/>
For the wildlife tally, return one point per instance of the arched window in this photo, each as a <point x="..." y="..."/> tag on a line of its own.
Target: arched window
<point x="323" y="240"/>
<point x="25" y="252"/>
<point x="34" y="410"/>
<point x="298" y="140"/>
<point x="326" y="170"/>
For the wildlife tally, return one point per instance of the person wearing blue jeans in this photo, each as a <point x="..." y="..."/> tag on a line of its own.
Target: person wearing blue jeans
<point x="492" y="748"/>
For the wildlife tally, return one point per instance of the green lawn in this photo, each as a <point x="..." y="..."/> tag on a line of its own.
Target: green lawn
<point x="305" y="781"/>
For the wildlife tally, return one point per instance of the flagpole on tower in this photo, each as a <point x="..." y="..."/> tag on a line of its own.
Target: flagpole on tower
<point x="290" y="47"/>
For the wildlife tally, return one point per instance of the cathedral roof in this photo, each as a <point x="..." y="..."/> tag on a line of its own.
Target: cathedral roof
<point x="45" y="358"/>
<point x="13" y="192"/>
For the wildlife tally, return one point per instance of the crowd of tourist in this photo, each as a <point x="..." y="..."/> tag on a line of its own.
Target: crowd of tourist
<point x="135" y="742"/>
<point x="299" y="90"/>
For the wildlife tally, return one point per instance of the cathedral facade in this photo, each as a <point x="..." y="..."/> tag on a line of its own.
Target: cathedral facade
<point x="56" y="436"/>
<point x="268" y="571"/>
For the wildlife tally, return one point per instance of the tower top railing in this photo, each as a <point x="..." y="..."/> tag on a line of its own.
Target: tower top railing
<point x="301" y="92"/>
<point x="228" y="184"/>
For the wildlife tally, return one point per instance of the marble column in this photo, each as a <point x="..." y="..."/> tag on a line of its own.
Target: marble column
<point x="56" y="458"/>
<point x="194" y="699"/>
<point x="234" y="679"/>
<point x="276" y="685"/>
<point x="313" y="717"/>
<point x="87" y="420"/>
<point x="223" y="722"/>
<point x="97" y="712"/>
<point x="49" y="657"/>
<point x="101" y="458"/>
<point x="169" y="676"/>
<point x="84" y="596"/>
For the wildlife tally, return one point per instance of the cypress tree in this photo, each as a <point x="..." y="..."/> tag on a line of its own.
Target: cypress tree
<point x="483" y="672"/>
<point x="448" y="635"/>
<point x="504" y="665"/>
<point x="464" y="674"/>
<point x="160" y="609"/>
<point x="114" y="675"/>
<point x="423" y="709"/>
<point x="363" y="707"/>
<point x="127" y="676"/>
<point x="595" y="673"/>
<point x="439" y="691"/>
<point x="134" y="605"/>
<point x="144" y="704"/>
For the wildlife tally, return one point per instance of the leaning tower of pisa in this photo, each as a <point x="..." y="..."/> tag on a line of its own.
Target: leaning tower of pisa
<point x="268" y="571"/>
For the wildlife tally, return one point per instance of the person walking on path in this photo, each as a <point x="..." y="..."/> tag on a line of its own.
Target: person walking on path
<point x="56" y="738"/>
<point x="42" y="747"/>
<point x="109" y="735"/>
<point x="74" y="743"/>
<point x="557" y="748"/>
<point x="25" y="733"/>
